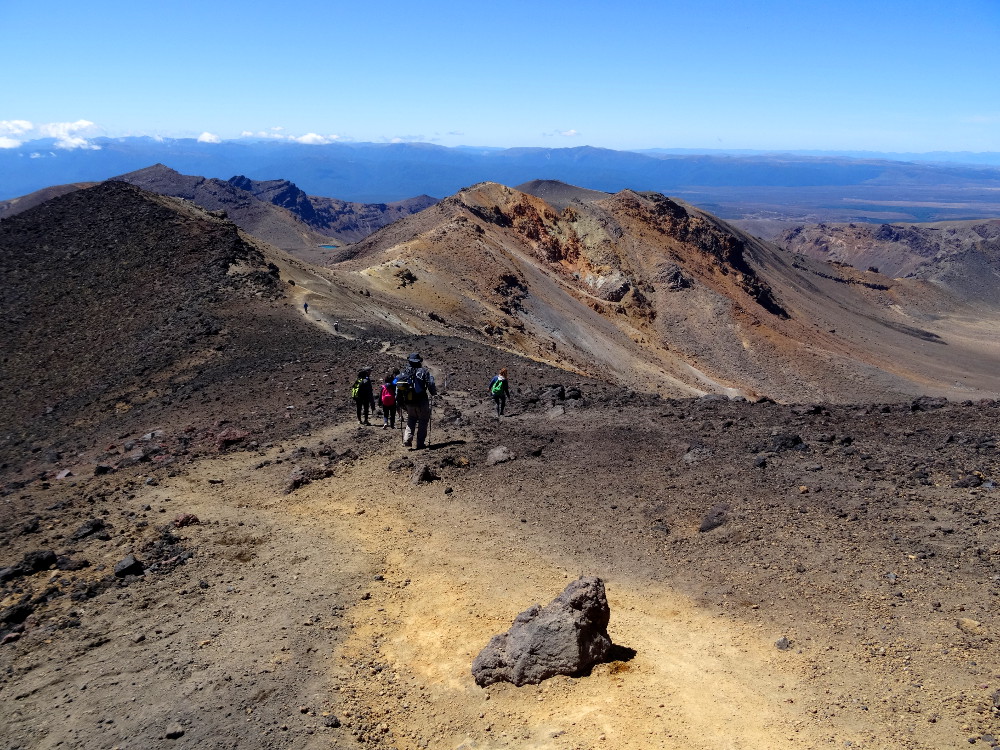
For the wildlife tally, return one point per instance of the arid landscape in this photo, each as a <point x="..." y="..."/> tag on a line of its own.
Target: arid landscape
<point x="780" y="458"/>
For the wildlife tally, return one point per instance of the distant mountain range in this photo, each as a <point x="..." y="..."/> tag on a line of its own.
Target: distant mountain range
<point x="747" y="186"/>
<point x="275" y="211"/>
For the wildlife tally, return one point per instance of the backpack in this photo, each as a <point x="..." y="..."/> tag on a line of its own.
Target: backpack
<point x="404" y="388"/>
<point x="419" y="381"/>
<point x="496" y="386"/>
<point x="355" y="388"/>
<point x="386" y="396"/>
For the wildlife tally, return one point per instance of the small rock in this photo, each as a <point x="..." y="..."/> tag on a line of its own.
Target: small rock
<point x="783" y="644"/>
<point x="716" y="516"/>
<point x="174" y="731"/>
<point x="970" y="626"/>
<point x="185" y="519"/>
<point x="129" y="566"/>
<point x="400" y="464"/>
<point x="421" y="474"/>
<point x="500" y="454"/>
<point x="91" y="526"/>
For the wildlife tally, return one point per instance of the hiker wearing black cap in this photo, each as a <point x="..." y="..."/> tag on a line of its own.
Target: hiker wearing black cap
<point x="414" y="388"/>
<point x="363" y="397"/>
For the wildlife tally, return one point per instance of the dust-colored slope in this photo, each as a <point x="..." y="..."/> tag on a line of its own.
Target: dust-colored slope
<point x="350" y="610"/>
<point x="651" y="291"/>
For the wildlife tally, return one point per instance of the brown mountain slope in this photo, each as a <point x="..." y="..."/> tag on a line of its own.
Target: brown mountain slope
<point x="24" y="202"/>
<point x="119" y="306"/>
<point x="894" y="249"/>
<point x="345" y="220"/>
<point x="650" y="291"/>
<point x="272" y="224"/>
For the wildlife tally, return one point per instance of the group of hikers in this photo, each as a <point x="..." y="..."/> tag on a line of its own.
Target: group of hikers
<point x="409" y="391"/>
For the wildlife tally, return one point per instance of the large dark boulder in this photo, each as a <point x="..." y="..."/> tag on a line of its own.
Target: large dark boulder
<point x="566" y="637"/>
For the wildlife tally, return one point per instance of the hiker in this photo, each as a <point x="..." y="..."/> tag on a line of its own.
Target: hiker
<point x="305" y="306"/>
<point x="387" y="398"/>
<point x="414" y="388"/>
<point x="498" y="389"/>
<point x="363" y="397"/>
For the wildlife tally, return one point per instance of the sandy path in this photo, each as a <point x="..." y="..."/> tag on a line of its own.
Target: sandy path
<point x="453" y="579"/>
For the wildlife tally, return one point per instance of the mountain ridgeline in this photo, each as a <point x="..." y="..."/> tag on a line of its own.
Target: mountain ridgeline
<point x="633" y="288"/>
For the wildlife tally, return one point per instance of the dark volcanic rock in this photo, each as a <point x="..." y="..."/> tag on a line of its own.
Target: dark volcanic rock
<point x="17" y="613"/>
<point x="423" y="473"/>
<point x="715" y="517"/>
<point x="129" y="567"/>
<point x="400" y="464"/>
<point x="64" y="562"/>
<point x="784" y="441"/>
<point x="302" y="476"/>
<point x="88" y="527"/>
<point x="568" y="636"/>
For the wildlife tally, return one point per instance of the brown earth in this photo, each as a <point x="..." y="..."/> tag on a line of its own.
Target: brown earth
<point x="348" y="611"/>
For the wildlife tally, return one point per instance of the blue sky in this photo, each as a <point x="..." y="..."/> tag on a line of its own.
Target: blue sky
<point x="775" y="74"/>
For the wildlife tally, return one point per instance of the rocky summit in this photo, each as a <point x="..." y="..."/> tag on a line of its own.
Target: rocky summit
<point x="781" y="472"/>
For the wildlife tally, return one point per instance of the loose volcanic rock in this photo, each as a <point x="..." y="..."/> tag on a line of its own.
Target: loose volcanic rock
<point x="185" y="519"/>
<point x="566" y="637"/>
<point x="716" y="516"/>
<point x="302" y="476"/>
<point x="400" y="464"/>
<point x="421" y="474"/>
<point x="91" y="526"/>
<point x="32" y="562"/>
<point x="129" y="566"/>
<point x="500" y="454"/>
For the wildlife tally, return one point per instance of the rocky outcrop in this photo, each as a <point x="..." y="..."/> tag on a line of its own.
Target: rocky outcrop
<point x="567" y="637"/>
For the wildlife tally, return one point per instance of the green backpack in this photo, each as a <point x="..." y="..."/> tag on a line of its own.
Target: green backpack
<point x="496" y="387"/>
<point x="355" y="388"/>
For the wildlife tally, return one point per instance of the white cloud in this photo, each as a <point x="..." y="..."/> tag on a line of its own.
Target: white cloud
<point x="15" y="127"/>
<point x="69" y="135"/>
<point x="209" y="138"/>
<point x="35" y="155"/>
<point x="6" y="142"/>
<point x="314" y="139"/>
<point x="272" y="133"/>
<point x="568" y="133"/>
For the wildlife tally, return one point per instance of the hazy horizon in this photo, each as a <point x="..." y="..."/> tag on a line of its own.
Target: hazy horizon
<point x="775" y="75"/>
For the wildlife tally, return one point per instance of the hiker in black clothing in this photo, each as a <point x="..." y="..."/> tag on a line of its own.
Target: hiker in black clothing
<point x="305" y="307"/>
<point x="498" y="389"/>
<point x="362" y="394"/>
<point x="414" y="388"/>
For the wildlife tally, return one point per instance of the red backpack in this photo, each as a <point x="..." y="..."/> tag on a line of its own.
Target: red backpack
<point x="386" y="396"/>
